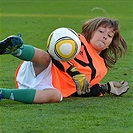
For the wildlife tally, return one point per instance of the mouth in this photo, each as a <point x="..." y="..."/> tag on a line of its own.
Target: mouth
<point x="102" y="42"/>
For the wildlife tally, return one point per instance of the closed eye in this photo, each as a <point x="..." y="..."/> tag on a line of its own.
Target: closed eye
<point x="111" y="36"/>
<point x="101" y="31"/>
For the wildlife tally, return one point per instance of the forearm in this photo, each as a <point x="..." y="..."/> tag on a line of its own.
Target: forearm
<point x="95" y="90"/>
<point x="112" y="87"/>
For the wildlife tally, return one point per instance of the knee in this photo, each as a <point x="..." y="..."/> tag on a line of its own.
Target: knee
<point x="48" y="96"/>
<point x="56" y="96"/>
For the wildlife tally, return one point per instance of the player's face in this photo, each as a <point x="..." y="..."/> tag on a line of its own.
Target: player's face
<point x="102" y="38"/>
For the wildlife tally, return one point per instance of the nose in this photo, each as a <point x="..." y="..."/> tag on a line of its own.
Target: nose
<point x="105" y="37"/>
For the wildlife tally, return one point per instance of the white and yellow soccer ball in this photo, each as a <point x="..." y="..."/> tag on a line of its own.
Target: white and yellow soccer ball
<point x="63" y="44"/>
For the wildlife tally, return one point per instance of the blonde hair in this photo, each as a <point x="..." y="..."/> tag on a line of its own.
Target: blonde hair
<point x="118" y="45"/>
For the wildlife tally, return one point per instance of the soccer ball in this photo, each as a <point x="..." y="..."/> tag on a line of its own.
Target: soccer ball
<point x="63" y="44"/>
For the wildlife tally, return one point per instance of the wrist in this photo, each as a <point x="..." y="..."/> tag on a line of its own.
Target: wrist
<point x="105" y="88"/>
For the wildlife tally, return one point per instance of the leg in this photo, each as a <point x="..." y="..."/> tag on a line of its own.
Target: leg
<point x="47" y="96"/>
<point x="40" y="60"/>
<point x="31" y="95"/>
<point x="14" y="45"/>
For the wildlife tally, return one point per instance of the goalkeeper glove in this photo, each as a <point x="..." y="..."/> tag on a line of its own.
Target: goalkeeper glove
<point x="115" y="88"/>
<point x="82" y="84"/>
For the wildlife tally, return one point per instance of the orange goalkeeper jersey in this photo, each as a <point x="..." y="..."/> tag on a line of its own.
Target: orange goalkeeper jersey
<point x="87" y="62"/>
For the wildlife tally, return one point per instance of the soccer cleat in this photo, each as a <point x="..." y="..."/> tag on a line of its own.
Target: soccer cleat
<point x="10" y="44"/>
<point x="1" y="95"/>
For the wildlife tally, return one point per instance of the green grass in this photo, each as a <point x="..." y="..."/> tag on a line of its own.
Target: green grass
<point x="36" y="19"/>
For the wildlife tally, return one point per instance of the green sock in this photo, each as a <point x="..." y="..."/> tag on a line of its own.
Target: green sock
<point x="20" y="95"/>
<point x="25" y="52"/>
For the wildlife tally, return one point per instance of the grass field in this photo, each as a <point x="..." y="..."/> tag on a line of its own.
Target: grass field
<point x="36" y="19"/>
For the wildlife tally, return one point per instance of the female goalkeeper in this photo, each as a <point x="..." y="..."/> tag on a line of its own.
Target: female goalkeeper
<point x="41" y="79"/>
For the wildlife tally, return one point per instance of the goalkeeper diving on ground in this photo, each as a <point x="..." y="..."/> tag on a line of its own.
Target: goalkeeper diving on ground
<point x="43" y="79"/>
